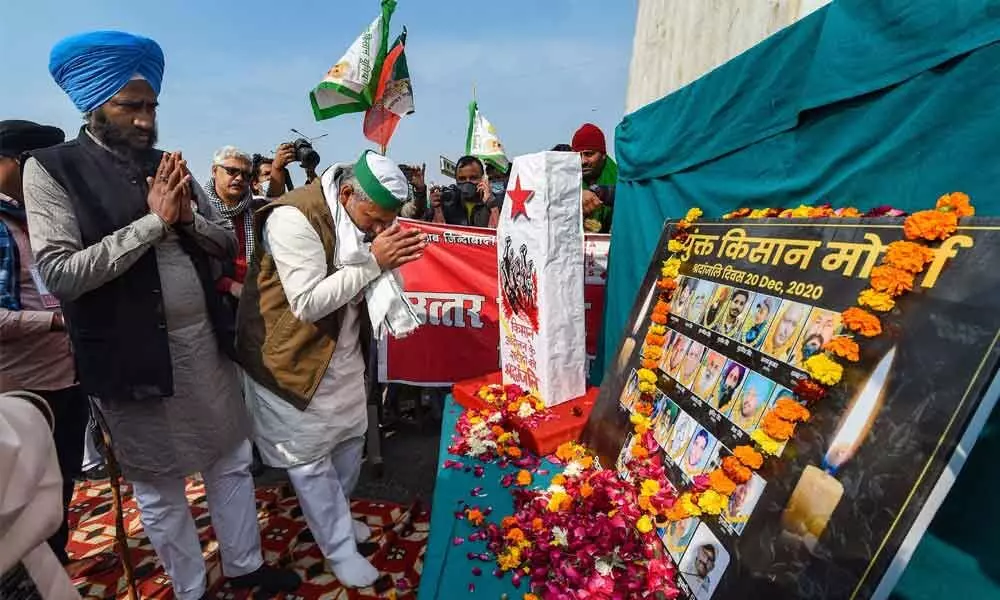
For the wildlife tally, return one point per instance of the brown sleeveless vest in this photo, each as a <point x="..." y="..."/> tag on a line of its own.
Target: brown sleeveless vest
<point x="284" y="354"/>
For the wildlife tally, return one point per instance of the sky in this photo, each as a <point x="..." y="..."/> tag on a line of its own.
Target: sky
<point x="240" y="72"/>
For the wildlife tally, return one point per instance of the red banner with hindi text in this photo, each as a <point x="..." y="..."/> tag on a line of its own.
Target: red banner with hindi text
<point x="453" y="289"/>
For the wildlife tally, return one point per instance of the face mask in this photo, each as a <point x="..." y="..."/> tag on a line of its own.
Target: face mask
<point x="498" y="188"/>
<point x="264" y="187"/>
<point x="467" y="191"/>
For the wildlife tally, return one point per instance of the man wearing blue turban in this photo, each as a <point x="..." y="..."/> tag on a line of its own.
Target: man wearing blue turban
<point x="128" y="244"/>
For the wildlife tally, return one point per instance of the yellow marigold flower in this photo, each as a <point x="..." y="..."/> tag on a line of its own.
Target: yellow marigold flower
<point x="640" y="422"/>
<point x="671" y="267"/>
<point x="647" y="388"/>
<point x="559" y="479"/>
<point x="824" y="369"/>
<point x="693" y="214"/>
<point x="879" y="301"/>
<point x="559" y="501"/>
<point x="509" y="559"/>
<point x="766" y="443"/>
<point x="644" y="524"/>
<point x="758" y="213"/>
<point x="802" y="211"/>
<point x="646" y="375"/>
<point x="530" y="596"/>
<point x="675" y="245"/>
<point x="650" y="487"/>
<point x="688" y="505"/>
<point x="712" y="502"/>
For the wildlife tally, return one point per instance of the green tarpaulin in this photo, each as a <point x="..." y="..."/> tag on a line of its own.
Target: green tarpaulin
<point x="863" y="103"/>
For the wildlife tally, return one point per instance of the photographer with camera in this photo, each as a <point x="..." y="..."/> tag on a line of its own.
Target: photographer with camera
<point x="300" y="151"/>
<point x="470" y="201"/>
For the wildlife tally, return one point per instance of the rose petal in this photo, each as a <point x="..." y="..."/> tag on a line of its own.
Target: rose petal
<point x="457" y="541"/>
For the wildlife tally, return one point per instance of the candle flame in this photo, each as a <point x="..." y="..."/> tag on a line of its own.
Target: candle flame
<point x="859" y="417"/>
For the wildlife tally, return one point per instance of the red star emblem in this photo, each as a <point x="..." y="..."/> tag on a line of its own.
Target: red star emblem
<point x="520" y="198"/>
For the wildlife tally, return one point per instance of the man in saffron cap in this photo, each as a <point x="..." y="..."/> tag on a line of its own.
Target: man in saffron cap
<point x="127" y="241"/>
<point x="600" y="174"/>
<point x="325" y="277"/>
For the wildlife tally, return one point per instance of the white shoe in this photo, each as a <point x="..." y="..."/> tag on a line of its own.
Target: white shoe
<point x="361" y="531"/>
<point x="355" y="572"/>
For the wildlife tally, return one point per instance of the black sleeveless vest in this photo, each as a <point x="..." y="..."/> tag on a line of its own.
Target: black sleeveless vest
<point x="119" y="330"/>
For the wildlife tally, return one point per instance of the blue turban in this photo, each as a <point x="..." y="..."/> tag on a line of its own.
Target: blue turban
<point x="93" y="67"/>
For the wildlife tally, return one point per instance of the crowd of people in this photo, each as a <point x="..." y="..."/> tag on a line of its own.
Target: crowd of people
<point x="170" y="307"/>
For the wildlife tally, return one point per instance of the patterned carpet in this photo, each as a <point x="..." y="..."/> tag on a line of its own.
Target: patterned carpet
<point x="396" y="549"/>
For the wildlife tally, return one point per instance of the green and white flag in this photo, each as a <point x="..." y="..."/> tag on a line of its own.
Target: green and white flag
<point x="482" y="141"/>
<point x="349" y="84"/>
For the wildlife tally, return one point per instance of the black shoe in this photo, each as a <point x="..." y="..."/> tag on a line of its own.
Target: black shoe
<point x="272" y="580"/>
<point x="98" y="473"/>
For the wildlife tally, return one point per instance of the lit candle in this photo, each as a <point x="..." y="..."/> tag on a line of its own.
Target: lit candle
<point x="817" y="493"/>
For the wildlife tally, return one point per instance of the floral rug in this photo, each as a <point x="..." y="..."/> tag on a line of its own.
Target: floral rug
<point x="396" y="549"/>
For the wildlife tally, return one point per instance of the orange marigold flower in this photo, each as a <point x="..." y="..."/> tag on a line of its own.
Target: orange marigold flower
<point x="536" y="523"/>
<point x="735" y="470"/>
<point x="497" y="430"/>
<point x="513" y="452"/>
<point x="776" y="427"/>
<point x="508" y="522"/>
<point x="748" y="456"/>
<point x="644" y="408"/>
<point x="648" y="364"/>
<point x="891" y="280"/>
<point x="586" y="462"/>
<point x="908" y="256"/>
<point x="645" y="504"/>
<point x="661" y="307"/>
<point x="721" y="483"/>
<point x="639" y="451"/>
<point x="790" y="410"/>
<point x="586" y="490"/>
<point x="861" y="321"/>
<point x="559" y="479"/>
<point x="523" y="477"/>
<point x="566" y="451"/>
<point x="659" y="319"/>
<point x="844" y="347"/>
<point x="515" y="535"/>
<point x="847" y="212"/>
<point x="655" y="340"/>
<point x="930" y="225"/>
<point x="958" y="203"/>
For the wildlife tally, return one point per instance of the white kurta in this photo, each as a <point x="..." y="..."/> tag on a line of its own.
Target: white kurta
<point x="286" y="436"/>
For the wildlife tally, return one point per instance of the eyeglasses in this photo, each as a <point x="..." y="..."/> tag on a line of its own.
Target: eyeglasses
<point x="234" y="171"/>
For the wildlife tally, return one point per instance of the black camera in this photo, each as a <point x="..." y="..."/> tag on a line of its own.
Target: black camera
<point x="305" y="154"/>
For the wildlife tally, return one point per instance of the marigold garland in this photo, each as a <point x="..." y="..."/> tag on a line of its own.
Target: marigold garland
<point x="861" y="321"/>
<point x="766" y="443"/>
<point x="878" y="301"/>
<point x="844" y="347"/>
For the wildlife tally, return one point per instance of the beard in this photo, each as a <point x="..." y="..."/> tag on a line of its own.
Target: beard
<point x="129" y="143"/>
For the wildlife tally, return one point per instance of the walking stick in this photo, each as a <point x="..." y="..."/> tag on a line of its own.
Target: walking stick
<point x="114" y="475"/>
